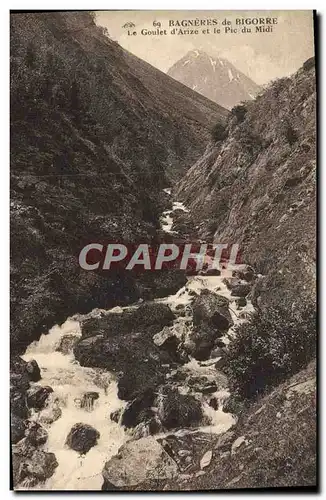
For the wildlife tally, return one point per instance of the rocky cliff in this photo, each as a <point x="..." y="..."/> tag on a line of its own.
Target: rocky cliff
<point x="95" y="136"/>
<point x="215" y="78"/>
<point x="255" y="186"/>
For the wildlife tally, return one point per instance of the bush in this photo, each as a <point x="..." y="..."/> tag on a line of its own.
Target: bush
<point x="272" y="346"/>
<point x="219" y="132"/>
<point x="290" y="134"/>
<point x="239" y="112"/>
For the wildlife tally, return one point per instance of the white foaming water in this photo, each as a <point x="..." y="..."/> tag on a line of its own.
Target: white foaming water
<point x="70" y="381"/>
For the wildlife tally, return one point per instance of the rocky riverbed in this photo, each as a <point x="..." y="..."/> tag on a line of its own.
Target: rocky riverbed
<point x="137" y="384"/>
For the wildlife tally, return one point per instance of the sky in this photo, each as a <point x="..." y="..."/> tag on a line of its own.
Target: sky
<point x="261" y="56"/>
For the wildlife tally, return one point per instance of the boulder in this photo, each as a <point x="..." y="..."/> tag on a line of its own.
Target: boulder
<point x="139" y="410"/>
<point x="82" y="437"/>
<point x="176" y="410"/>
<point x="241" y="290"/>
<point x="167" y="340"/>
<point x="213" y="403"/>
<point x="241" y="302"/>
<point x="140" y="377"/>
<point x="33" y="371"/>
<point x="137" y="462"/>
<point x="18" y="403"/>
<point x="67" y="343"/>
<point x="209" y="388"/>
<point x="31" y="466"/>
<point x="37" y="396"/>
<point x="231" y="282"/>
<point x="210" y="272"/>
<point x="247" y="273"/>
<point x="213" y="310"/>
<point x="36" y="434"/>
<point x="18" y="428"/>
<point x="139" y="363"/>
<point x="161" y="283"/>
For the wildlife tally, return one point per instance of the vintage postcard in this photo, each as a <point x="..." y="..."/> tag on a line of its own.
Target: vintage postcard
<point x="163" y="250"/>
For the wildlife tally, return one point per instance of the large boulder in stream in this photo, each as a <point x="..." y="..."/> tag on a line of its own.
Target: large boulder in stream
<point x="177" y="410"/>
<point x="33" y="371"/>
<point x="82" y="437"/>
<point x="137" y="462"/>
<point x="123" y="343"/>
<point x="212" y="310"/>
<point x="37" y="396"/>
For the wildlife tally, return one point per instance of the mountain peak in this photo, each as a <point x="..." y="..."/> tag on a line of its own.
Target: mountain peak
<point x="214" y="77"/>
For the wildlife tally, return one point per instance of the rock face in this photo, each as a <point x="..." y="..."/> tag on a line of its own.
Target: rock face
<point x="215" y="78"/>
<point x="257" y="188"/>
<point x="137" y="462"/>
<point x="102" y="112"/>
<point x="82" y="438"/>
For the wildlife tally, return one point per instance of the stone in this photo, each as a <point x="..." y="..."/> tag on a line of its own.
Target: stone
<point x="82" y="437"/>
<point x="241" y="302"/>
<point x="240" y="290"/>
<point x="37" y="396"/>
<point x="176" y="410"/>
<point x="137" y="462"/>
<point x="212" y="309"/>
<point x="209" y="388"/>
<point x="36" y="434"/>
<point x="33" y="371"/>
<point x="139" y="410"/>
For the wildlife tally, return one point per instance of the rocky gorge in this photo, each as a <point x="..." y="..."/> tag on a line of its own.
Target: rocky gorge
<point x="167" y="380"/>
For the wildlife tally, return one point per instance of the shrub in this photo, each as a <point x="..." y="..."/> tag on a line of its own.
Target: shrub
<point x="239" y="112"/>
<point x="219" y="132"/>
<point x="290" y="134"/>
<point x="270" y="347"/>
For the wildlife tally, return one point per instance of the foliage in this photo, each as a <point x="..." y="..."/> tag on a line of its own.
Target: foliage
<point x="219" y="132"/>
<point x="239" y="112"/>
<point x="273" y="345"/>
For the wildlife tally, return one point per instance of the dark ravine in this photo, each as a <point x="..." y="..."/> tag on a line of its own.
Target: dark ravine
<point x="94" y="139"/>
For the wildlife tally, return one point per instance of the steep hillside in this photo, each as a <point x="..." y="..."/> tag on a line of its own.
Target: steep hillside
<point x="215" y="78"/>
<point x="256" y="187"/>
<point x="93" y="142"/>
